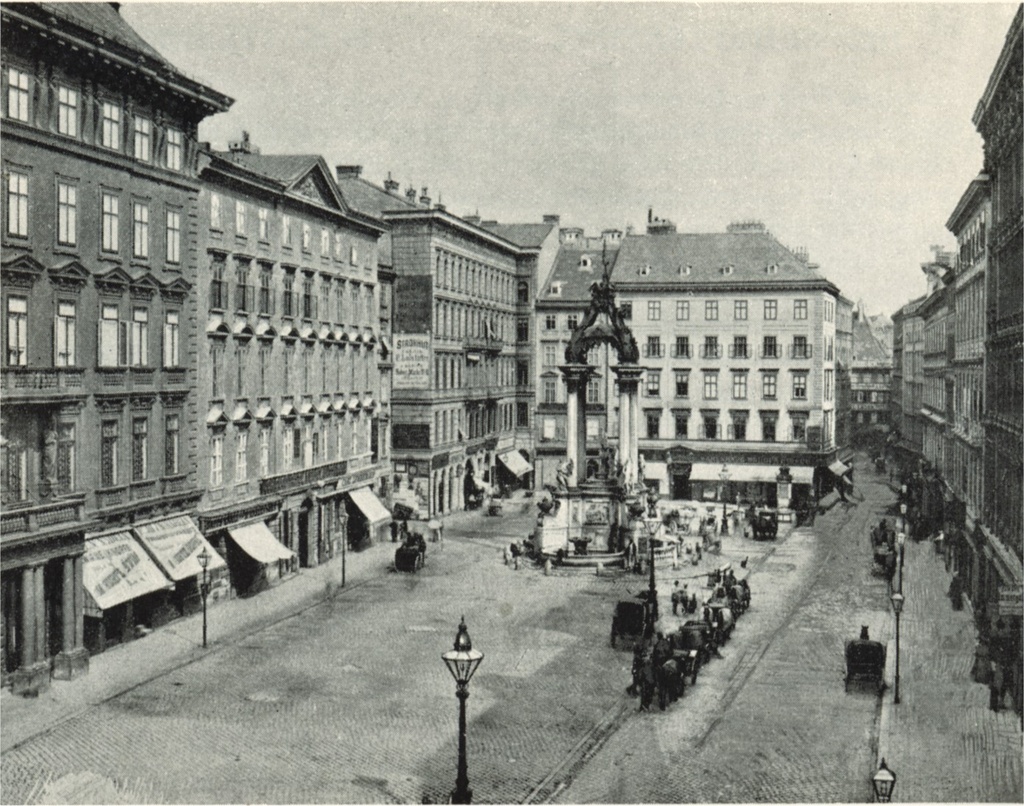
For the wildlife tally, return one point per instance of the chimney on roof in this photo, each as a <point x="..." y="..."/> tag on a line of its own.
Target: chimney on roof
<point x="659" y="226"/>
<point x="611" y="235"/>
<point x="552" y="218"/>
<point x="472" y="218"/>
<point x="390" y="185"/>
<point x="800" y="253"/>
<point x="424" y="198"/>
<point x="243" y="146"/>
<point x="204" y="146"/>
<point x="750" y="225"/>
<point x="410" y="194"/>
<point x="348" y="170"/>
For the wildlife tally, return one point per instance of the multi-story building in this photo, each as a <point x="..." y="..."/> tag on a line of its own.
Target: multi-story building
<point x="908" y="384"/>
<point x="844" y="358"/>
<point x="936" y="355"/>
<point x="562" y="301"/>
<point x="998" y="119"/>
<point x="737" y="337"/>
<point x="289" y="388"/>
<point x="99" y="271"/>
<point x="964" y="470"/>
<point x="870" y="385"/>
<point x="460" y="292"/>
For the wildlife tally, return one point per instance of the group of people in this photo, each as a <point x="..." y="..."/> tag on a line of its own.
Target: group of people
<point x="883" y="544"/>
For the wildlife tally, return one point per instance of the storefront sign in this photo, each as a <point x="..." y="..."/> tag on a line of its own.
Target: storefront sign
<point x="412" y="362"/>
<point x="1011" y="602"/>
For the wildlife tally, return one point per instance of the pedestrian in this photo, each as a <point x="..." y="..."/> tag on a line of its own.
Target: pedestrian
<point x="394" y="531"/>
<point x="675" y="599"/>
<point x="956" y="591"/>
<point x="995" y="686"/>
<point x="646" y="681"/>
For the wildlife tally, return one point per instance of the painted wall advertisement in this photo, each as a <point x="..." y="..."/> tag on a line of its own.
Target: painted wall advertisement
<point x="412" y="361"/>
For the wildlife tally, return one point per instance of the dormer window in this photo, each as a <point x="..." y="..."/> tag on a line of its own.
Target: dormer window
<point x="586" y="263"/>
<point x="645" y="270"/>
<point x="556" y="289"/>
<point x="726" y="269"/>
<point x="772" y="269"/>
<point x="685" y="270"/>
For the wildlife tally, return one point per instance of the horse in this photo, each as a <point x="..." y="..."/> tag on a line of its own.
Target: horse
<point x="670" y="682"/>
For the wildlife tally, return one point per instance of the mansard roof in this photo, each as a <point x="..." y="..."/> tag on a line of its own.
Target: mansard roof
<point x="526" y="235"/>
<point x="573" y="282"/>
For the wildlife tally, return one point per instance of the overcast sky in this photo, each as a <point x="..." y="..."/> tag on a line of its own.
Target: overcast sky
<point x="844" y="128"/>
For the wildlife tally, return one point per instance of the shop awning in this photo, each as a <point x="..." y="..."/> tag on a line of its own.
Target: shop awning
<point x="802" y="475"/>
<point x="838" y="468"/>
<point x="175" y="543"/>
<point x="370" y="505"/>
<point x="116" y="569"/>
<point x="515" y="462"/>
<point x="256" y="540"/>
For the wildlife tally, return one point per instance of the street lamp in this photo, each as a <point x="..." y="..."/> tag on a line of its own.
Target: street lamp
<point x="903" y="516"/>
<point x="901" y="541"/>
<point x="897" y="606"/>
<point x="204" y="588"/>
<point x="883" y="781"/>
<point x="462" y="661"/>
<point x="724" y="475"/>
<point x="652" y="591"/>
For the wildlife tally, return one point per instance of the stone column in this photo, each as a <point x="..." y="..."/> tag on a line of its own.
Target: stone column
<point x="33" y="675"/>
<point x="28" y="616"/>
<point x="629" y="419"/>
<point x="576" y="377"/>
<point x="73" y="659"/>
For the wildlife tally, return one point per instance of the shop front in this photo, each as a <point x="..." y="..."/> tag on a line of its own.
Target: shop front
<point x="125" y="590"/>
<point x="513" y="470"/>
<point x="256" y="558"/>
<point x="175" y="544"/>
<point x="368" y="518"/>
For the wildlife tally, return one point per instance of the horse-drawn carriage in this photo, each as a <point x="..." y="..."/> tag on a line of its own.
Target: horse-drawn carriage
<point x="865" y="660"/>
<point x="412" y="554"/>
<point x="690" y="650"/>
<point x="720" y="616"/>
<point x="764" y="524"/>
<point x="629" y="620"/>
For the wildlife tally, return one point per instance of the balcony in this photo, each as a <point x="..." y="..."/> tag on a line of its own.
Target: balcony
<point x="739" y="351"/>
<point x="800" y="351"/>
<point x="652" y="350"/>
<point x="710" y="351"/>
<point x="306" y="477"/>
<point x="111" y="497"/>
<point x="141" y="490"/>
<point x="484" y="343"/>
<point x="170" y="485"/>
<point x="28" y="518"/>
<point x="18" y="383"/>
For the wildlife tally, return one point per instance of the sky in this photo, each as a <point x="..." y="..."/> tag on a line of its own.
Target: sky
<point x="845" y="128"/>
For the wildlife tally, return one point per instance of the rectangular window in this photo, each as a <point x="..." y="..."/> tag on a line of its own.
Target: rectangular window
<point x="110" y="351"/>
<point x="241" y="456"/>
<point x="108" y="453"/>
<point x="770" y="347"/>
<point x="771" y="309"/>
<point x="550" y="322"/>
<point x="111" y="132"/>
<point x="800" y="386"/>
<point x="243" y="291"/>
<point x="593" y="391"/>
<point x="17" y="331"/>
<point x="572" y="321"/>
<point x="768" y="385"/>
<point x="308" y="300"/>
<point x="711" y="310"/>
<point x="17" y="204"/>
<point x="682" y="384"/>
<point x="239" y="217"/>
<point x="265" y="451"/>
<point x="65" y="459"/>
<point x="653" y="310"/>
<point x="682" y="421"/>
<point x="214" y="211"/>
<point x="710" y="425"/>
<point x="263" y="224"/>
<point x="710" y="348"/>
<point x="339" y="245"/>
<point x="799" y="420"/>
<point x="111" y="205"/>
<point x="140" y="448"/>
<point x="828" y="384"/>
<point x="172" y="444"/>
<point x="682" y="310"/>
<point x="325" y="242"/>
<point x="653" y="348"/>
<point x="550" y="355"/>
<point x="653" y="383"/>
<point x="626" y="309"/>
<point x="653" y="418"/>
<point x="711" y="386"/>
<point x="739" y="310"/>
<point x="17" y="95"/>
<point x="739" y="386"/>
<point x="139" y="338"/>
<point x="175" y="149"/>
<point x="65" y="334"/>
<point x="286" y="230"/>
<point x="799" y="309"/>
<point x="172" y="339"/>
<point x="217" y="460"/>
<point x="768" y="423"/>
<point x="266" y="293"/>
<point x="143" y="139"/>
<point x="140" y="230"/>
<point x="681" y="349"/>
<point x="67" y="214"/>
<point x="739" y="347"/>
<point x="801" y="349"/>
<point x="218" y="286"/>
<point x="550" y="393"/>
<point x="325" y="297"/>
<point x="307" y="237"/>
<point x="67" y="111"/>
<point x="173" y="236"/>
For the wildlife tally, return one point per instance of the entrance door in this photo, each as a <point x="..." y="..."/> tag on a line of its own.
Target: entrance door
<point x="304" y="557"/>
<point x="681" y="487"/>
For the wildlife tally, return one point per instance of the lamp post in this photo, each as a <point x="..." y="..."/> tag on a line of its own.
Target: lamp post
<point x="903" y="517"/>
<point x="901" y="541"/>
<point x="883" y="782"/>
<point x="897" y="606"/>
<point x="462" y="661"/>
<point x="652" y="591"/>
<point x="204" y="587"/>
<point x="724" y="475"/>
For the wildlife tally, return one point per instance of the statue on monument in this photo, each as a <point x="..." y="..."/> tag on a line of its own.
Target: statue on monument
<point x="612" y="329"/>
<point x="563" y="473"/>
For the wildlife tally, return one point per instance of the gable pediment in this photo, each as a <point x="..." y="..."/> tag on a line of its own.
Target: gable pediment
<point x="113" y="281"/>
<point x="22" y="270"/>
<point x="318" y="186"/>
<point x="70" y="273"/>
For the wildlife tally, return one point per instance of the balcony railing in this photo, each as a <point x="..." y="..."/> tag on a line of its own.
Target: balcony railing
<point x="483" y="343"/>
<point x="303" y="478"/>
<point x="771" y="351"/>
<point x="141" y="490"/>
<point x="800" y="351"/>
<point x="654" y="350"/>
<point x="29" y="381"/>
<point x="710" y="351"/>
<point x="173" y="484"/>
<point x="680" y="350"/>
<point x="111" y="497"/>
<point x="739" y="351"/>
<point x="31" y="518"/>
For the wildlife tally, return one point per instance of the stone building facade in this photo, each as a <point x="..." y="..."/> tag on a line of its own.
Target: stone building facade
<point x="98" y="293"/>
